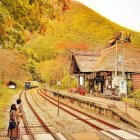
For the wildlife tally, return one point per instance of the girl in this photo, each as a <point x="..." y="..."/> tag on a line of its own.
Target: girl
<point x="13" y="127"/>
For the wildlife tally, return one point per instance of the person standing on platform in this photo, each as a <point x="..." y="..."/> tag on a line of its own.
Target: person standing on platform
<point x="19" y="111"/>
<point x="13" y="125"/>
<point x="19" y="114"/>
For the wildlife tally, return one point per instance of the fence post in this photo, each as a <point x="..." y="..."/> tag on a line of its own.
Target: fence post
<point x="135" y="102"/>
<point x="126" y="107"/>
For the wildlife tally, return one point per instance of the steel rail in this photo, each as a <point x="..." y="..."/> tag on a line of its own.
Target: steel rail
<point x="90" y="116"/>
<point x="90" y="124"/>
<point x="39" y="119"/>
<point x="27" y="127"/>
<point x="111" y="125"/>
<point x="85" y="121"/>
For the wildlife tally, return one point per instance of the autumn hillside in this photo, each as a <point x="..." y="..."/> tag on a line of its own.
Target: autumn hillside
<point x="79" y="25"/>
<point x="13" y="67"/>
<point x="46" y="34"/>
<point x="19" y="20"/>
<point x="79" y="28"/>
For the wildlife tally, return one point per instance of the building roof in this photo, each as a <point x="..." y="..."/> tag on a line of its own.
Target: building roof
<point x="11" y="83"/>
<point x="106" y="61"/>
<point x="85" y="61"/>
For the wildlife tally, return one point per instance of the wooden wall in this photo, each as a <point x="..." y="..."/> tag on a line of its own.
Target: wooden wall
<point x="136" y="81"/>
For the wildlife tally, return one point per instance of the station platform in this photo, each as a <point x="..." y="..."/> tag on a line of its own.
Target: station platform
<point x="119" y="134"/>
<point x="44" y="137"/>
<point x="3" y="134"/>
<point x="83" y="136"/>
<point x="25" y="137"/>
<point x="4" y="138"/>
<point x="122" y="109"/>
<point x="58" y="136"/>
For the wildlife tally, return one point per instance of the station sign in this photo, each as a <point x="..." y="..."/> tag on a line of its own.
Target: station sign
<point x="123" y="87"/>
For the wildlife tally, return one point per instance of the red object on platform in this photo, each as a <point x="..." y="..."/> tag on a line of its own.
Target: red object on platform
<point x="82" y="91"/>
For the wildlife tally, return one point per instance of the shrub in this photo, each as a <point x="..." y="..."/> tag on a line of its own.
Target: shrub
<point x="136" y="94"/>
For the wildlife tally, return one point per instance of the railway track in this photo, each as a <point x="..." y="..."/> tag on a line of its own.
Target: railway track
<point x="105" y="128"/>
<point x="35" y="127"/>
<point x="86" y="118"/>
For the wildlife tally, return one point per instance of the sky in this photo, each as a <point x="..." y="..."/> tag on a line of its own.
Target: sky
<point x="123" y="12"/>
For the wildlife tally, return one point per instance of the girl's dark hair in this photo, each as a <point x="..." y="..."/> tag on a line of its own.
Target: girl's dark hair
<point x="18" y="101"/>
<point x="13" y="107"/>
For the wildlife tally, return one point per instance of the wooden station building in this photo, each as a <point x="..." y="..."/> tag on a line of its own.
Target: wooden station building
<point x="119" y="58"/>
<point x="82" y="66"/>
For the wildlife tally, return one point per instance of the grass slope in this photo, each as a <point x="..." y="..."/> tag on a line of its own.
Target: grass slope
<point x="5" y="100"/>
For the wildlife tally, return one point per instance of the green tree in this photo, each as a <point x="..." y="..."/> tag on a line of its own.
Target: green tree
<point x="53" y="70"/>
<point x="32" y="68"/>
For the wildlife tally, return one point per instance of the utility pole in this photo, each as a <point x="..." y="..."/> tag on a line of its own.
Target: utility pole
<point x="116" y="64"/>
<point x="122" y="39"/>
<point x="123" y="60"/>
